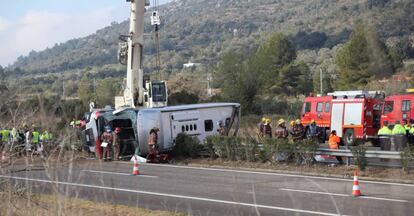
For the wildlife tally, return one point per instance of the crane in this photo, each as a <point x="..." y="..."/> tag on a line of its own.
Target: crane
<point x="139" y="90"/>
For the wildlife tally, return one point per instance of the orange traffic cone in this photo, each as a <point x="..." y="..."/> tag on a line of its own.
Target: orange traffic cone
<point x="355" y="189"/>
<point x="135" y="170"/>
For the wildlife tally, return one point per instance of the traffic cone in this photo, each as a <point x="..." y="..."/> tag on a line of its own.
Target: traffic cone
<point x="355" y="189"/>
<point x="135" y="170"/>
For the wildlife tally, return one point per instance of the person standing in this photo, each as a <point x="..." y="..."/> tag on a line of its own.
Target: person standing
<point x="334" y="142"/>
<point x="107" y="143"/>
<point x="36" y="139"/>
<point x="152" y="145"/>
<point x="261" y="127"/>
<point x="281" y="131"/>
<point x="313" y="131"/>
<point x="117" y="143"/>
<point x="384" y="135"/>
<point x="268" y="128"/>
<point x="297" y="131"/>
<point x="221" y="130"/>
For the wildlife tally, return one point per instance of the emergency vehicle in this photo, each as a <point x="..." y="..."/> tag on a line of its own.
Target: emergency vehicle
<point x="355" y="115"/>
<point x="398" y="108"/>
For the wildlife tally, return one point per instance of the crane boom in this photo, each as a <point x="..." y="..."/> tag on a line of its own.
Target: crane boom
<point x="137" y="91"/>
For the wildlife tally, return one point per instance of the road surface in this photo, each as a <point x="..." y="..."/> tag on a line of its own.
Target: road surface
<point x="206" y="191"/>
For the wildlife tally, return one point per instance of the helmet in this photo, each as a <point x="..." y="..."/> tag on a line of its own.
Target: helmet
<point x="281" y="121"/>
<point x="268" y="121"/>
<point x="298" y="121"/>
<point x="313" y="121"/>
<point x="108" y="128"/>
<point x="292" y="123"/>
<point x="118" y="129"/>
<point x="264" y="119"/>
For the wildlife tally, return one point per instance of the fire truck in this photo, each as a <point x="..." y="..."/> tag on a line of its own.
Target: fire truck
<point x="398" y="108"/>
<point x="355" y="115"/>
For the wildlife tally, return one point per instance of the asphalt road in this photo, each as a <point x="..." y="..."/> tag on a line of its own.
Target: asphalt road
<point x="204" y="191"/>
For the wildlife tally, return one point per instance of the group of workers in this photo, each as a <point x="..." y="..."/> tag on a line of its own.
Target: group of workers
<point x="24" y="138"/>
<point x="110" y="142"/>
<point x="297" y="129"/>
<point x="398" y="130"/>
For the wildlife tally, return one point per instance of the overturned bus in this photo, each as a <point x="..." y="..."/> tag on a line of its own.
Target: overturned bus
<point x="199" y="120"/>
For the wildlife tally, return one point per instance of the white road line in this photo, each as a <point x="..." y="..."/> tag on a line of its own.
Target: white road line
<point x="278" y="174"/>
<point x="117" y="173"/>
<point x="174" y="196"/>
<point x="343" y="195"/>
<point x="314" y="192"/>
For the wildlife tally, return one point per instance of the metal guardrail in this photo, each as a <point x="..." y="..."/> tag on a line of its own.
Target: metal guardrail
<point x="369" y="153"/>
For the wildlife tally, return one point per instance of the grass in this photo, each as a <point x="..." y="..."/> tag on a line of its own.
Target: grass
<point x="52" y="205"/>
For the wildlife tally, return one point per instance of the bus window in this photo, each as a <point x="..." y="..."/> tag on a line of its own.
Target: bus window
<point x="327" y="107"/>
<point x="388" y="107"/>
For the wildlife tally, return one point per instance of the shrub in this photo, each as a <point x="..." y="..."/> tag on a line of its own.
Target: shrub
<point x="407" y="156"/>
<point x="306" y="150"/>
<point x="359" y="156"/>
<point x="186" y="146"/>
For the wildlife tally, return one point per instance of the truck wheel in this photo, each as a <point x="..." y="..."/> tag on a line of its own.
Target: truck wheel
<point x="375" y="142"/>
<point x="349" y="137"/>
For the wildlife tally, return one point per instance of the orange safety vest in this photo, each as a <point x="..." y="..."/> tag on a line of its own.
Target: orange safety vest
<point x="334" y="141"/>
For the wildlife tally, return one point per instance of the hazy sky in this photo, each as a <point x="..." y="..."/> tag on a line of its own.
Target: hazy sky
<point x="27" y="25"/>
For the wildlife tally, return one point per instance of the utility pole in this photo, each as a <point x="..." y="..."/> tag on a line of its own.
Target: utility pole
<point x="321" y="80"/>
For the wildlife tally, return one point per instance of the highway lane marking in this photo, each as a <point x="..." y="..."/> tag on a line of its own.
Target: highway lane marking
<point x="117" y="173"/>
<point x="173" y="196"/>
<point x="278" y="174"/>
<point x="342" y="195"/>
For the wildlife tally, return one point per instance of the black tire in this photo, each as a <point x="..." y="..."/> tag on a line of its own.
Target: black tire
<point x="349" y="137"/>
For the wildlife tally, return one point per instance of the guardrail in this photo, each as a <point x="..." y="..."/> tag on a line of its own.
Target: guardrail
<point x="369" y="153"/>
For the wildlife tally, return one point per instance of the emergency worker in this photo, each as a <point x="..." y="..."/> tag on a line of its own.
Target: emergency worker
<point x="35" y="138"/>
<point x="268" y="128"/>
<point x="261" y="127"/>
<point x="117" y="143"/>
<point x="5" y="137"/>
<point x="297" y="130"/>
<point x="152" y="145"/>
<point x="313" y="130"/>
<point x="399" y="138"/>
<point x="334" y="142"/>
<point x="107" y="141"/>
<point x="281" y="132"/>
<point x="300" y="128"/>
<point x="407" y="126"/>
<point x="411" y="133"/>
<point x="221" y="130"/>
<point x="384" y="135"/>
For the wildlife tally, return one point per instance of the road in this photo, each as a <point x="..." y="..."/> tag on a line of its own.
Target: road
<point x="206" y="191"/>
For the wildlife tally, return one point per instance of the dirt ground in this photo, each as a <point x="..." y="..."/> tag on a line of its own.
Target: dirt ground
<point x="388" y="174"/>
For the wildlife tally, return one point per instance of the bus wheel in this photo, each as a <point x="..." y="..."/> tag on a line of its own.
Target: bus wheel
<point x="349" y="137"/>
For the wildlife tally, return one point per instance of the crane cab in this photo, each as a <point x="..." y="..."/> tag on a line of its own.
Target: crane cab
<point x="156" y="94"/>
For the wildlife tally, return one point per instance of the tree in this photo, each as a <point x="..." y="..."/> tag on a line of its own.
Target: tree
<point x="271" y="57"/>
<point x="2" y="73"/>
<point x="85" y="91"/>
<point x="363" y="58"/>
<point x="295" y="79"/>
<point x="105" y="92"/>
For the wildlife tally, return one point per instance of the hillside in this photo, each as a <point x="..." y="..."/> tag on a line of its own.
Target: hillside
<point x="201" y="30"/>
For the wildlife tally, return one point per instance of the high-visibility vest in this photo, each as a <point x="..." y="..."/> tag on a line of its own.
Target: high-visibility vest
<point x="334" y="141"/>
<point x="14" y="134"/>
<point x="385" y="131"/>
<point x="47" y="136"/>
<point x="5" y="135"/>
<point x="398" y="130"/>
<point x="35" y="137"/>
<point x="407" y="127"/>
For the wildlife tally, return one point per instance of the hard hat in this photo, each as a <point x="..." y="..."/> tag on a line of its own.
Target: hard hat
<point x="298" y="121"/>
<point x="108" y="128"/>
<point x="268" y="121"/>
<point x="264" y="119"/>
<point x="313" y="121"/>
<point x="281" y="121"/>
<point x="292" y="123"/>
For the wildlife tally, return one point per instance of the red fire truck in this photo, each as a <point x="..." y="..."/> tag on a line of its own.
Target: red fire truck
<point x="355" y="115"/>
<point x="398" y="108"/>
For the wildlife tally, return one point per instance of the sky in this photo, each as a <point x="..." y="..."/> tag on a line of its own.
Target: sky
<point x="27" y="25"/>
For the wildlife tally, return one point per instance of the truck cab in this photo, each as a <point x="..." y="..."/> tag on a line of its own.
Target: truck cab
<point x="397" y="108"/>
